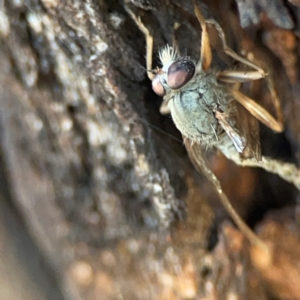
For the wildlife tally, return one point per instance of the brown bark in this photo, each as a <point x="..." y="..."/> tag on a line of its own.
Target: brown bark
<point x="113" y="202"/>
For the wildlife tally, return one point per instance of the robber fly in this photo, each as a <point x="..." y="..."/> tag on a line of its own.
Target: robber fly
<point x="201" y="103"/>
<point x="198" y="99"/>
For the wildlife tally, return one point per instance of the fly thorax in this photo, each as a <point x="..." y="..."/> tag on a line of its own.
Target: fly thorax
<point x="192" y="108"/>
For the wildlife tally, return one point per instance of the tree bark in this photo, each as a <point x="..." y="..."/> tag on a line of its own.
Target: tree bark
<point x="103" y="181"/>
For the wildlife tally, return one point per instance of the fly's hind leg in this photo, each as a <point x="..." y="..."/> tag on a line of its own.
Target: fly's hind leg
<point x="206" y="55"/>
<point x="253" y="107"/>
<point x="233" y="76"/>
<point x="259" y="112"/>
<point x="234" y="55"/>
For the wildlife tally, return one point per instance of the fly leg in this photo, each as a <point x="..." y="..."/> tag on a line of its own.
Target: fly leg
<point x="205" y="51"/>
<point x="260" y="73"/>
<point x="164" y="109"/>
<point x="230" y="76"/>
<point x="148" y="38"/>
<point x="253" y="107"/>
<point x="198" y="159"/>
<point x="259" y="112"/>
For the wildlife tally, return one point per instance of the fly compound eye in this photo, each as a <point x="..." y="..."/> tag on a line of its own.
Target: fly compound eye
<point x="180" y="73"/>
<point x="158" y="87"/>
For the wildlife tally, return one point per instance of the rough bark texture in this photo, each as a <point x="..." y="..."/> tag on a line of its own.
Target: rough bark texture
<point x="104" y="188"/>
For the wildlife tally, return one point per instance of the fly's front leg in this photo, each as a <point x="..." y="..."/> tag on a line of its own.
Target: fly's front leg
<point x="164" y="109"/>
<point x="205" y="51"/>
<point x="149" y="41"/>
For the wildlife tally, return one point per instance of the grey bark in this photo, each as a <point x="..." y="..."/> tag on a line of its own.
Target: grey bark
<point x="112" y="201"/>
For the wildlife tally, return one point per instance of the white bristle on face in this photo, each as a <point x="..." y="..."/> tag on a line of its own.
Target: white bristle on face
<point x="167" y="55"/>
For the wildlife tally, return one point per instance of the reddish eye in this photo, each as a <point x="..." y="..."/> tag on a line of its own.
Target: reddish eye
<point x="158" y="87"/>
<point x="180" y="73"/>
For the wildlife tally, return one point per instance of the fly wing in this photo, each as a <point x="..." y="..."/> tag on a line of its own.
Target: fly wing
<point x="248" y="128"/>
<point x="238" y="140"/>
<point x="200" y="163"/>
